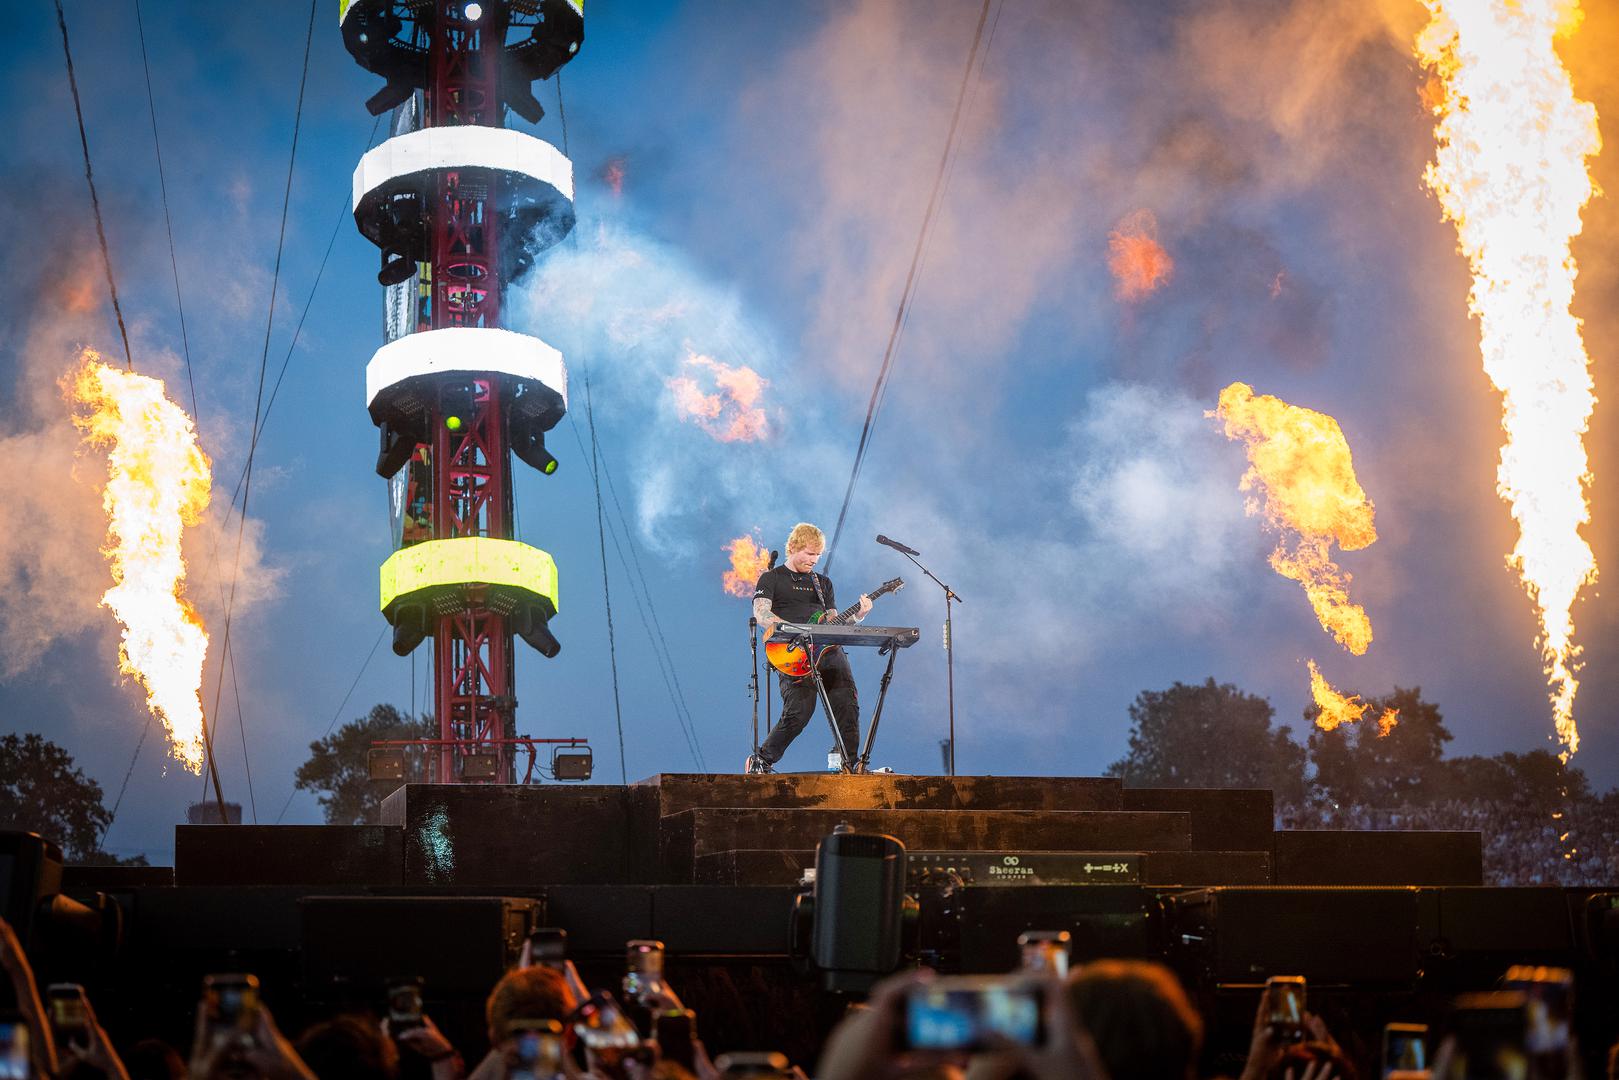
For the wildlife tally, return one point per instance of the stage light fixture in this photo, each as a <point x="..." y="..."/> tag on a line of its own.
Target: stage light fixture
<point x="386" y="763"/>
<point x="572" y="763"/>
<point x="474" y="12"/>
<point x="395" y="269"/>
<point x="530" y="624"/>
<point x="397" y="446"/>
<point x="410" y="628"/>
<point x="529" y="446"/>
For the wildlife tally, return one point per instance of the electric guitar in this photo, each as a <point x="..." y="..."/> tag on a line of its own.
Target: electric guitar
<point x="796" y="661"/>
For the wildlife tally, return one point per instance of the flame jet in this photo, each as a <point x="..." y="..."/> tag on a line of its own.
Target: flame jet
<point x="158" y="483"/>
<point x="1337" y="709"/>
<point x="1510" y="171"/>
<point x="748" y="561"/>
<point x="1303" y="477"/>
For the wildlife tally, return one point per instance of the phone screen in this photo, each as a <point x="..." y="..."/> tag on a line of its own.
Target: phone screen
<point x="14" y="1050"/>
<point x="1284" y="1007"/>
<point x="1405" y="1048"/>
<point x="404" y="1005"/>
<point x="947" y="1016"/>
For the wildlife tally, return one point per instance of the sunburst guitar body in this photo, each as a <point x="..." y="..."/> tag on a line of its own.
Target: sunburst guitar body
<point x="796" y="661"/>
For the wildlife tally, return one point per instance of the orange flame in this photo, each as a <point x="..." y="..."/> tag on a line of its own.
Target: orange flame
<point x="748" y="561"/>
<point x="731" y="413"/>
<point x="1301" y="469"/>
<point x="1339" y="709"/>
<point x="1139" y="263"/>
<point x="157" y="484"/>
<point x="1510" y="170"/>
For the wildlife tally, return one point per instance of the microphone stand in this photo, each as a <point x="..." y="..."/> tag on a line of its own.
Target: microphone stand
<point x="950" y="598"/>
<point x="753" y="644"/>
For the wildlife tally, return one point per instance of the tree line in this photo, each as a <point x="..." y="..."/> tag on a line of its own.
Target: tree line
<point x="1190" y="735"/>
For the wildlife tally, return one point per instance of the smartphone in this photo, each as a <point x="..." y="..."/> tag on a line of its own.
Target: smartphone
<point x="1284" y="1007"/>
<point x="230" y="1004"/>
<point x="606" y="1032"/>
<point x="538" y="1048"/>
<point x="545" y="947"/>
<point x="740" y="1065"/>
<point x="404" y="1004"/>
<point x="1548" y="994"/>
<point x="1045" y="951"/>
<point x="70" y="1017"/>
<point x="676" y="1032"/>
<point x="971" y="1013"/>
<point x="1405" y="1048"/>
<point x="1489" y="1030"/>
<point x="14" y="1063"/>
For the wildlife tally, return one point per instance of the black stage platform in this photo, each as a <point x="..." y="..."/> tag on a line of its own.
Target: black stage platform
<point x="1384" y="924"/>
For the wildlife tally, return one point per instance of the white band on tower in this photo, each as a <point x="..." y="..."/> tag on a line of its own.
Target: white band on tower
<point x="468" y="349"/>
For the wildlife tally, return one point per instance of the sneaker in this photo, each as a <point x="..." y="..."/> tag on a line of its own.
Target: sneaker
<point x="756" y="766"/>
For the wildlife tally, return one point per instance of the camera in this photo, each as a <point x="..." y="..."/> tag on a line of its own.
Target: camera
<point x="404" y="1004"/>
<point x="970" y="1013"/>
<point x="1284" y="1007"/>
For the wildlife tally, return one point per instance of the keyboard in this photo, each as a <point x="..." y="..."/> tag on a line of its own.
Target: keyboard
<point x="850" y="634"/>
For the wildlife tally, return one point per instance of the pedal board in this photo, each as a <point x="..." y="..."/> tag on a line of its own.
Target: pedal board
<point x="926" y="869"/>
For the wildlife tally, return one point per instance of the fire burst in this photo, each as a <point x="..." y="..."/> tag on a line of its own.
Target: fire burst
<point x="157" y="484"/>
<point x="732" y="412"/>
<point x="1300" y="466"/>
<point x="1510" y="171"/>
<point x="748" y="561"/>
<point x="1339" y="708"/>
<point x="1138" y="261"/>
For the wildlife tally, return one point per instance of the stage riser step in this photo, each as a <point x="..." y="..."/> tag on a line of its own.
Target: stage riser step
<point x="1158" y="868"/>
<point x="675" y="793"/>
<point x="1350" y="857"/>
<point x="687" y="836"/>
<point x="1223" y="819"/>
<point x="275" y="855"/>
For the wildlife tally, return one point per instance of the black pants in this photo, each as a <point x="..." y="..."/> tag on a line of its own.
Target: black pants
<point x="798" y="698"/>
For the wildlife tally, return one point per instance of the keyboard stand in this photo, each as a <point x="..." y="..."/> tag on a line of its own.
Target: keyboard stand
<point x="804" y="641"/>
<point x="864" y="764"/>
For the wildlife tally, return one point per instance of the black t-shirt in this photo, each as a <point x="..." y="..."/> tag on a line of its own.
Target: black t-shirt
<point x="792" y="596"/>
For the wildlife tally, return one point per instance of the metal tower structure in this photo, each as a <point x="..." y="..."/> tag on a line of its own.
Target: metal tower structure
<point x="459" y="206"/>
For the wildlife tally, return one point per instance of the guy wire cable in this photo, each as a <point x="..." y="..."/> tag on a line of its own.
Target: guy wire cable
<point x="908" y="292"/>
<point x="264" y="361"/>
<point x="89" y="178"/>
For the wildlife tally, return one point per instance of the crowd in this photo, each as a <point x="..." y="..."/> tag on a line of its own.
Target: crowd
<point x="1577" y="844"/>
<point x="1108" y="1018"/>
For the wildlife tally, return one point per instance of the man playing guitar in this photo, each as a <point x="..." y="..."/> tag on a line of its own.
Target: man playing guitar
<point x="795" y="593"/>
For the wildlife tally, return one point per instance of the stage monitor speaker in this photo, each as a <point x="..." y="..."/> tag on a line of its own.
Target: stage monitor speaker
<point x="458" y="944"/>
<point x="1328" y="935"/>
<point x="1101" y="920"/>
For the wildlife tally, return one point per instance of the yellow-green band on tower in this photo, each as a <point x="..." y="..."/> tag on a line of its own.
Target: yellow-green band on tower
<point x="468" y="560"/>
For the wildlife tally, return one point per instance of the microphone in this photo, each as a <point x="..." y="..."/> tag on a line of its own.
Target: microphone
<point x="896" y="545"/>
<point x="774" y="555"/>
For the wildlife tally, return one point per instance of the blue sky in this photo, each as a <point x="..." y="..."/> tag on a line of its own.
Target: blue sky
<point x="1041" y="441"/>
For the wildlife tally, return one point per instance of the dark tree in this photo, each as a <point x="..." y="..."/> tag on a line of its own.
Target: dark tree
<point x="1537" y="781"/>
<point x="337" y="769"/>
<point x="1356" y="765"/>
<point x="1209" y="736"/>
<point x="42" y="791"/>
